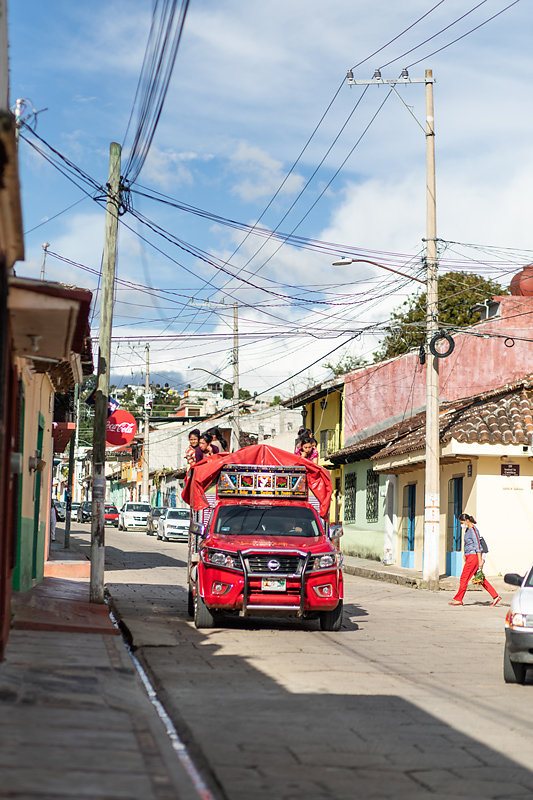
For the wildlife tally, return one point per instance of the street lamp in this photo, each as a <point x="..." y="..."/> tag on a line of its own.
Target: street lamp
<point x="201" y="369"/>
<point x="344" y="261"/>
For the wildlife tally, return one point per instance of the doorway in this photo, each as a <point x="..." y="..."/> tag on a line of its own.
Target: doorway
<point x="454" y="544"/>
<point x="408" y="526"/>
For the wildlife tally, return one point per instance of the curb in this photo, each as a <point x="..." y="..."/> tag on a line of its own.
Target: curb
<point x="387" y="577"/>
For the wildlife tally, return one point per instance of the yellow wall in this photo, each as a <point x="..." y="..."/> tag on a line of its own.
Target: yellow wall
<point x="328" y="419"/>
<point x="447" y="472"/>
<point x="502" y="507"/>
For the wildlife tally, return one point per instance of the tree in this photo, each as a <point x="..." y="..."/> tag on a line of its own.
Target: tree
<point x="227" y="392"/>
<point x="458" y="292"/>
<point x="345" y="364"/>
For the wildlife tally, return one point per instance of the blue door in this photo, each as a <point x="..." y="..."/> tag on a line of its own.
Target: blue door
<point x="408" y="526"/>
<point x="454" y="556"/>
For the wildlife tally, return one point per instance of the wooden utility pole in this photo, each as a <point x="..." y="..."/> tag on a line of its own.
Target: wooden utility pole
<point x="146" y="440"/>
<point x="236" y="423"/>
<point x="432" y="483"/>
<point x="101" y="404"/>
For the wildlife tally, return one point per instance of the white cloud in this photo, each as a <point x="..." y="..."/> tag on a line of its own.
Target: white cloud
<point x="264" y="174"/>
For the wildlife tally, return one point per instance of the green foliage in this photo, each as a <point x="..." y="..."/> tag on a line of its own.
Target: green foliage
<point x="276" y="401"/>
<point x="345" y="364"/>
<point x="227" y="392"/>
<point x="458" y="292"/>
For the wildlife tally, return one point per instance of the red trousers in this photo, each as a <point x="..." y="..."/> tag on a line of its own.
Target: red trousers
<point x="469" y="570"/>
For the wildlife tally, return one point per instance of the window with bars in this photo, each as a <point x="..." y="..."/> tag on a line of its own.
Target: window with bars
<point x="372" y="495"/>
<point x="329" y="441"/>
<point x="350" y="493"/>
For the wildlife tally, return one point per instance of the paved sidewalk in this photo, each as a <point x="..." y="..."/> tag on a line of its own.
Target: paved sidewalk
<point x="75" y="719"/>
<point x="376" y="570"/>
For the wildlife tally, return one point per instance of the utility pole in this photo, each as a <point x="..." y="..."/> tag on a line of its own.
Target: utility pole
<point x="101" y="405"/>
<point x="46" y="245"/>
<point x="146" y="441"/>
<point x="236" y="424"/>
<point x="432" y="481"/>
<point x="432" y="485"/>
<point x="70" y="477"/>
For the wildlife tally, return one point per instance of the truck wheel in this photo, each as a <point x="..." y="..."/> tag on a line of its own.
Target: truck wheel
<point x="331" y="620"/>
<point x="203" y="618"/>
<point x="190" y="603"/>
<point x="513" y="671"/>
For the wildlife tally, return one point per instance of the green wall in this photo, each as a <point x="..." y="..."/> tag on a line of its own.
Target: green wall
<point x="363" y="538"/>
<point x="365" y="544"/>
<point x="26" y="573"/>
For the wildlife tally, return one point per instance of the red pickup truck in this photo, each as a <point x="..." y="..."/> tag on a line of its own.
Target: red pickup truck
<point x="262" y="548"/>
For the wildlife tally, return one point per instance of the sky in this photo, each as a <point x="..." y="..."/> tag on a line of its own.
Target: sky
<point x="238" y="138"/>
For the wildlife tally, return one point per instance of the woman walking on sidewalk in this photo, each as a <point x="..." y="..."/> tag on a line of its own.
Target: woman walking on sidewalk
<point x="473" y="562"/>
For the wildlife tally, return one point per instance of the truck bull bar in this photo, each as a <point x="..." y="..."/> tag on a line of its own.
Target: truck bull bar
<point x="302" y="573"/>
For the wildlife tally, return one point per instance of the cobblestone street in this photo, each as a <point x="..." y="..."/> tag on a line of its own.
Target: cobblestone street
<point x="407" y="700"/>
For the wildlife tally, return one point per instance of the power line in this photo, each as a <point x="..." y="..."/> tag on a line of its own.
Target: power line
<point x="464" y="35"/>
<point x="158" y="64"/>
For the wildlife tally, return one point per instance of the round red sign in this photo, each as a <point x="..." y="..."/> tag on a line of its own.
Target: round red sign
<point x="121" y="428"/>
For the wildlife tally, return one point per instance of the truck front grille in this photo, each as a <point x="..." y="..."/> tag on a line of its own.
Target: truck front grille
<point x="288" y="564"/>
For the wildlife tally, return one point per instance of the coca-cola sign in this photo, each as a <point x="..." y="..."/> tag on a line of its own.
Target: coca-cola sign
<point x="121" y="428"/>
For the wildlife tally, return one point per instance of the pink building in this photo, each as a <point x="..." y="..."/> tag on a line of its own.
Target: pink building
<point x="382" y="394"/>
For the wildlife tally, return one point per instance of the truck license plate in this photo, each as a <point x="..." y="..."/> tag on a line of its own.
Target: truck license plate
<point x="273" y="584"/>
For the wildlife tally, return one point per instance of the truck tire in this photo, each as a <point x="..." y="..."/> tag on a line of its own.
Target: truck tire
<point x="203" y="618"/>
<point x="190" y="603"/>
<point x="513" y="671"/>
<point x="331" y="620"/>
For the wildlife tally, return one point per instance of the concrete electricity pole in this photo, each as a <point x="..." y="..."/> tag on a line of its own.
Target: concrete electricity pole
<point x="236" y="422"/>
<point x="432" y="482"/>
<point x="101" y="404"/>
<point x="432" y="487"/>
<point x="146" y="440"/>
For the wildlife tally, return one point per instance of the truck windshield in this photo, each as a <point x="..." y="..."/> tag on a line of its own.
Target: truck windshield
<point x="178" y="513"/>
<point x="266" y="521"/>
<point x="138" y="507"/>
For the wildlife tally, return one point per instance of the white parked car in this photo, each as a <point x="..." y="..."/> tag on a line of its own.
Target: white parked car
<point x="174" y="524"/>
<point x="518" y="654"/>
<point x="133" y="515"/>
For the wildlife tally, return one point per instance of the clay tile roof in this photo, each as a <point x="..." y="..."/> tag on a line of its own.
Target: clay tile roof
<point x="503" y="416"/>
<point x="500" y="416"/>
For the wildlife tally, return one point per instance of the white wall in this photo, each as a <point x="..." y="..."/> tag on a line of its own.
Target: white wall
<point x="504" y="512"/>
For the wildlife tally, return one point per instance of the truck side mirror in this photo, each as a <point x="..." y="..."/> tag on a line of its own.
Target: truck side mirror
<point x="335" y="531"/>
<point x="198" y="529"/>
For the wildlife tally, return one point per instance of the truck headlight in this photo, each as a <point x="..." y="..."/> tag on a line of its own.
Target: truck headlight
<point x="220" y="558"/>
<point x="325" y="561"/>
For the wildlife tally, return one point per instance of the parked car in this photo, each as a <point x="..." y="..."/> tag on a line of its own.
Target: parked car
<point x="174" y="524"/>
<point x="74" y="510"/>
<point x="153" y="519"/>
<point x="518" y="652"/>
<point x="83" y="514"/>
<point x="110" y="515"/>
<point x="133" y="515"/>
<point x="61" y="510"/>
